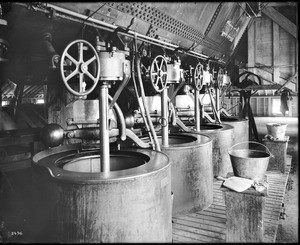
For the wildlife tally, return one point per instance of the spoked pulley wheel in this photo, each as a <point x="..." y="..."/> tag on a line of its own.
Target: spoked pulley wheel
<point x="158" y="73"/>
<point x="198" y="77"/>
<point x="220" y="77"/>
<point x="80" y="61"/>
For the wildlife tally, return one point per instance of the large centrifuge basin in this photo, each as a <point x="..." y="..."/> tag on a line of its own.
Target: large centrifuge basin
<point x="131" y="203"/>
<point x="191" y="171"/>
<point x="241" y="128"/>
<point x="223" y="138"/>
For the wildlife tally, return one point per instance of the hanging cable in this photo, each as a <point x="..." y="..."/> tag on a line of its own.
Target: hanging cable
<point x="94" y="12"/>
<point x="83" y="22"/>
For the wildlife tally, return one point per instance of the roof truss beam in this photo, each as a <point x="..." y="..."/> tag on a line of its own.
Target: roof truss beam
<point x="280" y="4"/>
<point x="281" y="20"/>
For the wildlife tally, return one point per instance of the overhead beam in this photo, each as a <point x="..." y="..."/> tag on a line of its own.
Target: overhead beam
<point x="269" y="70"/>
<point x="281" y="20"/>
<point x="251" y="46"/>
<point x="279" y="4"/>
<point x="276" y="53"/>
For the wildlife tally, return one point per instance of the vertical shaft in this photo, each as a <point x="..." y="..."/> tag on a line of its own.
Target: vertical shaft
<point x="217" y="101"/>
<point x="197" y="110"/>
<point x="104" y="130"/>
<point x="164" y="117"/>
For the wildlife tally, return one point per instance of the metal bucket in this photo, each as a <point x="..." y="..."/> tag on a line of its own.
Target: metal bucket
<point x="277" y="130"/>
<point x="249" y="162"/>
<point x="131" y="203"/>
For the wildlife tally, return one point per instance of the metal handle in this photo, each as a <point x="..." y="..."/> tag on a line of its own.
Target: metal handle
<point x="271" y="155"/>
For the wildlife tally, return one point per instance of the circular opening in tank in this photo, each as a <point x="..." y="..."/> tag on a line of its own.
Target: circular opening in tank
<point x="175" y="139"/>
<point x="210" y="127"/>
<point x="90" y="162"/>
<point x="229" y="119"/>
<point x="178" y="139"/>
<point x="248" y="154"/>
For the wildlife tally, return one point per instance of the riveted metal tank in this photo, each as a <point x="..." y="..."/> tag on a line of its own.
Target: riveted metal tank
<point x="130" y="203"/>
<point x="241" y="128"/>
<point x="191" y="171"/>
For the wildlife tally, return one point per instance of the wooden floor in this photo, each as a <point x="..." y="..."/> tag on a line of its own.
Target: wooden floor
<point x="209" y="226"/>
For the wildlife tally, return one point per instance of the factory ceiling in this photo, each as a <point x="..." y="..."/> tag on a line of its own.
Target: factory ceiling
<point x="209" y="29"/>
<point x="202" y="30"/>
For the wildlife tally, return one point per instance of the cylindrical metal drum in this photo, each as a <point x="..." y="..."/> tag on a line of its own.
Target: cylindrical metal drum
<point x="131" y="203"/>
<point x="112" y="65"/>
<point x="191" y="171"/>
<point x="174" y="72"/>
<point x="223" y="138"/>
<point x="241" y="128"/>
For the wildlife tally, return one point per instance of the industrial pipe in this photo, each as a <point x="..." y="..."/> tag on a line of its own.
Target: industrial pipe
<point x="104" y="130"/>
<point x="126" y="74"/>
<point x="152" y="130"/>
<point x="197" y="110"/>
<point x="140" y="103"/>
<point x="217" y="90"/>
<point x="121" y="119"/>
<point x="164" y="118"/>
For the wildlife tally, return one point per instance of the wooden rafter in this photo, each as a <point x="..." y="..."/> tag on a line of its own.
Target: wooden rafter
<point x="270" y="70"/>
<point x="281" y="20"/>
<point x="280" y="4"/>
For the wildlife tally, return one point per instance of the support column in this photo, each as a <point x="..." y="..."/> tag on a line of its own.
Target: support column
<point x="104" y="130"/>
<point x="197" y="110"/>
<point x="217" y="101"/>
<point x="251" y="46"/>
<point x="164" y="118"/>
<point x="276" y="53"/>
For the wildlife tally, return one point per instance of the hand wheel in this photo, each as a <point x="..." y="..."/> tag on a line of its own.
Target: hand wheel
<point x="198" y="76"/>
<point x="80" y="67"/>
<point x="220" y="77"/>
<point x="158" y="73"/>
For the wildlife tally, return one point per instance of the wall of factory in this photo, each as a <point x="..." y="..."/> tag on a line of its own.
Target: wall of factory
<point x="263" y="106"/>
<point x="271" y="51"/>
<point x="272" y="54"/>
